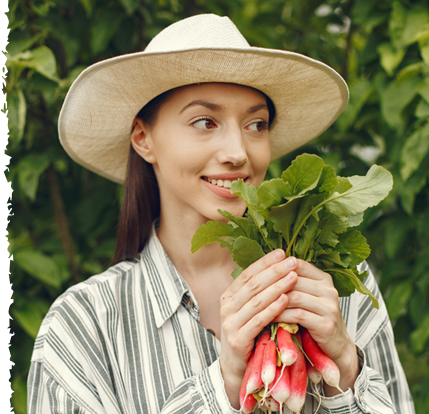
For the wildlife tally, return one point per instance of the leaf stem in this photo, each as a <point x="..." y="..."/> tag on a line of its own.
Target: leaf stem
<point x="260" y="231"/>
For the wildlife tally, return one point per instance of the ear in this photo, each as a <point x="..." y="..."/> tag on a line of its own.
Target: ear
<point x="141" y="140"/>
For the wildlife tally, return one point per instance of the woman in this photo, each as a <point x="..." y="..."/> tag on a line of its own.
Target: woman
<point x="167" y="331"/>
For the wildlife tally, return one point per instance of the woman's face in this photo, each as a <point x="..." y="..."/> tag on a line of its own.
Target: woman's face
<point x="205" y="137"/>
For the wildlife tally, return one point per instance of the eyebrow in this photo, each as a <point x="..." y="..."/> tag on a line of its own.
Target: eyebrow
<point x="216" y="107"/>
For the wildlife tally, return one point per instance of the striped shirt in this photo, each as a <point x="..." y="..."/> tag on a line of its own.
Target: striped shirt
<point x="129" y="341"/>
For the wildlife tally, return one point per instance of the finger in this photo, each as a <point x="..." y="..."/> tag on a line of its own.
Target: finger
<point x="326" y="306"/>
<point x="259" y="266"/>
<point x="311" y="321"/>
<point x="310" y="271"/>
<point x="265" y="298"/>
<point x="317" y="288"/>
<point x="259" y="282"/>
<point x="259" y="321"/>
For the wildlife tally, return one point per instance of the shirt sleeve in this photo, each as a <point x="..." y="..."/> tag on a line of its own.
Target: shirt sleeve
<point x="45" y="395"/>
<point x="381" y="386"/>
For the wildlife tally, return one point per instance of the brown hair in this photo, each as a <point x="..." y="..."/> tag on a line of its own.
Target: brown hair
<point x="141" y="203"/>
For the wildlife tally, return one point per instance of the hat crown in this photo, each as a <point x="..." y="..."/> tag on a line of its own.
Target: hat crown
<point x="198" y="32"/>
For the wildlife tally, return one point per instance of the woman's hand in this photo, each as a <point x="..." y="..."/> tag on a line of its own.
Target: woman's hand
<point x="313" y="303"/>
<point x="250" y="303"/>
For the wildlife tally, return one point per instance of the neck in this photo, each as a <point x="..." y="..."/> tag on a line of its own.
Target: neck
<point x="176" y="238"/>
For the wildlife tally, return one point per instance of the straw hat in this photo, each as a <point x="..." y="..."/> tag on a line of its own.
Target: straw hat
<point x="97" y="114"/>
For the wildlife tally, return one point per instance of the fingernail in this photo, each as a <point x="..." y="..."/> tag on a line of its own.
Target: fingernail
<point x="278" y="254"/>
<point x="290" y="262"/>
<point x="281" y="298"/>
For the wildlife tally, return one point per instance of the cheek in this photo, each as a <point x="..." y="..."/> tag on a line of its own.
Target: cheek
<point x="261" y="159"/>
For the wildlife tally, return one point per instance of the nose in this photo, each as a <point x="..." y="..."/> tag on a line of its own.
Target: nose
<point x="233" y="149"/>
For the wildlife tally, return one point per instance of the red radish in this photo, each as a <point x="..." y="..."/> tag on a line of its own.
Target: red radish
<point x="298" y="381"/>
<point x="313" y="374"/>
<point x="254" y="382"/>
<point x="269" y="365"/>
<point x="249" y="404"/>
<point x="328" y="368"/>
<point x="271" y="404"/>
<point x="286" y="347"/>
<point x="243" y="393"/>
<point x="280" y="387"/>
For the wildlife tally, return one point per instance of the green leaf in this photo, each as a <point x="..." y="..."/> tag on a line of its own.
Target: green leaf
<point x="409" y="71"/>
<point x="330" y="226"/>
<point x="272" y="193"/>
<point x="212" y="232"/>
<point x="394" y="98"/>
<point x="17" y="114"/>
<point x="395" y="235"/>
<point x="304" y="173"/>
<point x="422" y="109"/>
<point x="398" y="299"/>
<point x="360" y="91"/>
<point x="415" y="149"/>
<point x="247" y="192"/>
<point x="29" y="317"/>
<point x="21" y="41"/>
<point x="344" y="274"/>
<point x="103" y="28"/>
<point x="236" y="272"/>
<point x="405" y="25"/>
<point x="249" y="227"/>
<point x="41" y="59"/>
<point x="390" y="57"/>
<point x="366" y="192"/>
<point x="283" y="218"/>
<point x="343" y="184"/>
<point x="246" y="251"/>
<point x="328" y="180"/>
<point x="19" y="395"/>
<point x="356" y="246"/>
<point x="421" y="335"/>
<point x="355" y="219"/>
<point x="29" y="170"/>
<point x="306" y="241"/>
<point x="39" y="266"/>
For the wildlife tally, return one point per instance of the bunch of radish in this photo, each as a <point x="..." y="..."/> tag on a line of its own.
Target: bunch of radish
<point x="277" y="372"/>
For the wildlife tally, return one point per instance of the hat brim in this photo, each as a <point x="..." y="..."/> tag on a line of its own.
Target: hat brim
<point x="97" y="114"/>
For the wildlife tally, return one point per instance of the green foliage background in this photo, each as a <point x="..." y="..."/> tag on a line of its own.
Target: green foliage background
<point x="64" y="217"/>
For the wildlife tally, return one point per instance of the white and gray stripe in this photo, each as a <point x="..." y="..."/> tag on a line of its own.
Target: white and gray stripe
<point x="129" y="341"/>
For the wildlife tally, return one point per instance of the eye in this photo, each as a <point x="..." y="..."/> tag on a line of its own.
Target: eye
<point x="258" y="126"/>
<point x="204" y="123"/>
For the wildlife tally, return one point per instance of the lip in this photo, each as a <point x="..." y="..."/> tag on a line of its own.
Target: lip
<point x="221" y="191"/>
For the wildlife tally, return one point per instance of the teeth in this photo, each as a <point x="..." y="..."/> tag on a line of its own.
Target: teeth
<point x="220" y="183"/>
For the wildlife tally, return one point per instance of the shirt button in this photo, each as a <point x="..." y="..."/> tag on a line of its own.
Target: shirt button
<point x="191" y="303"/>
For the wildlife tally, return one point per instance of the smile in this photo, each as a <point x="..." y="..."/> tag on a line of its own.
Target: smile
<point x="221" y="187"/>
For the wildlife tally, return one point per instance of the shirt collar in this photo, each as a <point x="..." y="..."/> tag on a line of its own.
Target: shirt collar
<point x="165" y="285"/>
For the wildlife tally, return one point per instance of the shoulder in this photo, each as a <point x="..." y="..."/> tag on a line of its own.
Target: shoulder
<point x="81" y="310"/>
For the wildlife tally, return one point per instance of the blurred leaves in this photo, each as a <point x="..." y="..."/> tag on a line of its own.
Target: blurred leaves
<point x="380" y="46"/>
